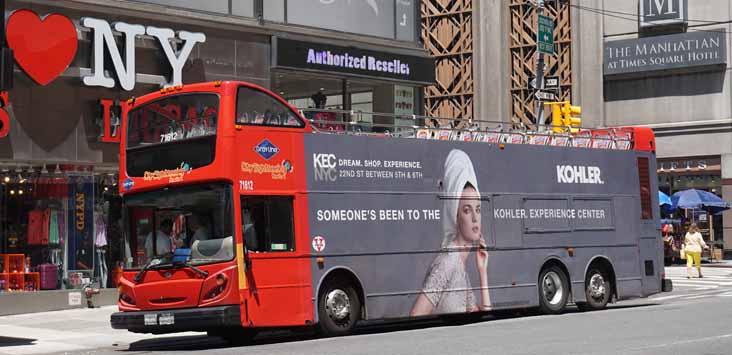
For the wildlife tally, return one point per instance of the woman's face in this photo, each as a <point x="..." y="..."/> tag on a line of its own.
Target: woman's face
<point x="468" y="215"/>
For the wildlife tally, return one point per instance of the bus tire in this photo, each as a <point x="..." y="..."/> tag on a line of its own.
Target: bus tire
<point x="597" y="290"/>
<point x="553" y="290"/>
<point x="339" y="308"/>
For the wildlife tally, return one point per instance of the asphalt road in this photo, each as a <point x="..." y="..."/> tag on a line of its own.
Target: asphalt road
<point x="694" y="319"/>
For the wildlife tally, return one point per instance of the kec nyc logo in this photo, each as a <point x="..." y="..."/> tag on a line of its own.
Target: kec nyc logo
<point x="324" y="166"/>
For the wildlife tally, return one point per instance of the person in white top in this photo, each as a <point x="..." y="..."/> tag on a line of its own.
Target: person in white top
<point x="693" y="245"/>
<point x="200" y="232"/>
<point x="162" y="241"/>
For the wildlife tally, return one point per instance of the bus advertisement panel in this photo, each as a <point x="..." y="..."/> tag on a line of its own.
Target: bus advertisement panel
<point x="447" y="227"/>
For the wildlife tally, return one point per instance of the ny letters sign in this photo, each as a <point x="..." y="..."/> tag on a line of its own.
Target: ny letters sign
<point x="125" y="68"/>
<point x="653" y="13"/>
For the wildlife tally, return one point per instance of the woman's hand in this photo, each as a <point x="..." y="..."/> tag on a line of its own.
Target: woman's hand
<point x="481" y="256"/>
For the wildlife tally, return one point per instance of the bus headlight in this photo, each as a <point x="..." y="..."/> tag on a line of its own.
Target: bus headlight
<point x="221" y="281"/>
<point x="125" y="298"/>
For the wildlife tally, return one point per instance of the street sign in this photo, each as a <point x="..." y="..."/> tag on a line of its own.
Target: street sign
<point x="545" y="35"/>
<point x="551" y="82"/>
<point x="545" y="96"/>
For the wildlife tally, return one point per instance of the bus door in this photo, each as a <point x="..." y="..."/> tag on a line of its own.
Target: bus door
<point x="278" y="288"/>
<point x="650" y="243"/>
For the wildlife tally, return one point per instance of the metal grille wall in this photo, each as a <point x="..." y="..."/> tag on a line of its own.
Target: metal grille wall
<point x="447" y="32"/>
<point x="522" y="45"/>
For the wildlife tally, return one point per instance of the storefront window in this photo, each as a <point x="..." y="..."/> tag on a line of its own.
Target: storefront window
<point x="55" y="230"/>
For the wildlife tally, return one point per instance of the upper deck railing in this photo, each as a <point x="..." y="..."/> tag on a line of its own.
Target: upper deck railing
<point x="468" y="130"/>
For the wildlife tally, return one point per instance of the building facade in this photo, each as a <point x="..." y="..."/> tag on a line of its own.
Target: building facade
<point x="79" y="61"/>
<point x="662" y="64"/>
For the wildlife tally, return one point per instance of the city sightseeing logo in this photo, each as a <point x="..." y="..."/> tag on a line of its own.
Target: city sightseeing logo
<point x="173" y="175"/>
<point x="266" y="149"/>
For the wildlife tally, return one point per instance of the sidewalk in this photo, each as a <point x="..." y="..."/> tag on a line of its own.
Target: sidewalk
<point x="718" y="263"/>
<point x="714" y="264"/>
<point x="74" y="331"/>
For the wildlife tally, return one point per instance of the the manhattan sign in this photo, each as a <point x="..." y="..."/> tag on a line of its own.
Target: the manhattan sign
<point x="692" y="51"/>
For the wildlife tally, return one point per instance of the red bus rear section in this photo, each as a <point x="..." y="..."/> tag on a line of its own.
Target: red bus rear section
<point x="240" y="215"/>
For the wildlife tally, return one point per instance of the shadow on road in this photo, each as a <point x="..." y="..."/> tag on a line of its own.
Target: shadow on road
<point x="204" y="342"/>
<point x="8" y="341"/>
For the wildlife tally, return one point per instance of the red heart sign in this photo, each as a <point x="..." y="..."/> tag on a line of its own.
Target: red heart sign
<point x="44" y="48"/>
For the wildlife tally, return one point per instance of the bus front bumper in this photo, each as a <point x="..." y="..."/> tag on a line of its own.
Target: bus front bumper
<point x="177" y="320"/>
<point x="667" y="285"/>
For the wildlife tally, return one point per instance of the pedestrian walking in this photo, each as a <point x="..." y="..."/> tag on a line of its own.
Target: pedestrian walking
<point x="693" y="245"/>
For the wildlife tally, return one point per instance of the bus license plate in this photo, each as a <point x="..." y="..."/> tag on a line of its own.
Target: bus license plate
<point x="151" y="319"/>
<point x="166" y="319"/>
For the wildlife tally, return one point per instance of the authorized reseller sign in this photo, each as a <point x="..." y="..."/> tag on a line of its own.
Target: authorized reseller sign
<point x="692" y="51"/>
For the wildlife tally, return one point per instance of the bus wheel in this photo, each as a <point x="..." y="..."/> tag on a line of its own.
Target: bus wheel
<point x="597" y="290"/>
<point x="553" y="290"/>
<point x="339" y="308"/>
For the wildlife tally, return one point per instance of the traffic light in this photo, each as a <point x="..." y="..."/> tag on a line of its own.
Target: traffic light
<point x="557" y="119"/>
<point x="562" y="118"/>
<point x="568" y="121"/>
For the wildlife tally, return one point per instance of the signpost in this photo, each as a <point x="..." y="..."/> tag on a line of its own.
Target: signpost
<point x="544" y="44"/>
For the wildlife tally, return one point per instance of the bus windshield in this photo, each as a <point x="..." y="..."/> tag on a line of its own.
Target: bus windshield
<point x="156" y="130"/>
<point x="198" y="217"/>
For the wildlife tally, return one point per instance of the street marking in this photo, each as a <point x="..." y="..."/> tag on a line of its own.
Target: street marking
<point x="701" y="296"/>
<point x="682" y="342"/>
<point x="666" y="297"/>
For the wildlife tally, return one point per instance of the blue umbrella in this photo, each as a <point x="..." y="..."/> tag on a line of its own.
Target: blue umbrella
<point x="701" y="199"/>
<point x="663" y="199"/>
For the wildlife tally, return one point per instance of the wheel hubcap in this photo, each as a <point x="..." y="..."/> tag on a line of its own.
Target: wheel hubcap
<point x="597" y="286"/>
<point x="553" y="289"/>
<point x="337" y="305"/>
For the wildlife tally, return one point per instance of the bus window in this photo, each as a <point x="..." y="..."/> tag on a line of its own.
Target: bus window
<point x="267" y="223"/>
<point x="645" y="189"/>
<point x="197" y="217"/>
<point x="254" y="107"/>
<point x="157" y="130"/>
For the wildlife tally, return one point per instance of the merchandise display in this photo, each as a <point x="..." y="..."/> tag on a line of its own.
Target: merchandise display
<point x="14" y="277"/>
<point x="57" y="223"/>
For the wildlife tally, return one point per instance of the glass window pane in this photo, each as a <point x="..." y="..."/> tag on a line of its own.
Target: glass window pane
<point x="197" y="217"/>
<point x="373" y="18"/>
<point x="244" y="7"/>
<point x="274" y="10"/>
<point x="254" y="107"/>
<point x="267" y="223"/>
<point x="220" y="6"/>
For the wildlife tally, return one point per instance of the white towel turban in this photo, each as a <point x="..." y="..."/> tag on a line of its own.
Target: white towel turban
<point x="458" y="172"/>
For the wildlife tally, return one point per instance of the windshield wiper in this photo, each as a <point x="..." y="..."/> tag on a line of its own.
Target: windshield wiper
<point x="182" y="264"/>
<point x="150" y="264"/>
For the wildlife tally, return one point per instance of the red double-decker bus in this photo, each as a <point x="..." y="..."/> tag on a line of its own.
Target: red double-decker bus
<point x="239" y="215"/>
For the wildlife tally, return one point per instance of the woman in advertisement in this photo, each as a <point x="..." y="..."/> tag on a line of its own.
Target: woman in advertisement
<point x="446" y="287"/>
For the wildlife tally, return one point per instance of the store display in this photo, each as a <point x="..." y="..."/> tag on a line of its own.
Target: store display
<point x="56" y="221"/>
<point x="14" y="276"/>
<point x="49" y="276"/>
